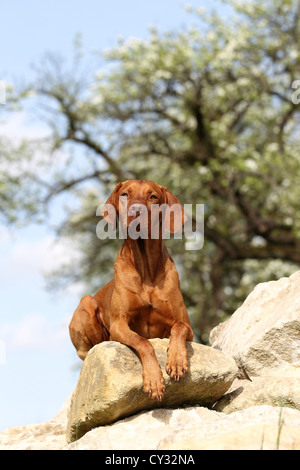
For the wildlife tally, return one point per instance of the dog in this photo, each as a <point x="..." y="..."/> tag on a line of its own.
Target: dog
<point x="144" y="299"/>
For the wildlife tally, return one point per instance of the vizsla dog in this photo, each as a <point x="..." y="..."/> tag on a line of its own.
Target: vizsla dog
<point x="144" y="299"/>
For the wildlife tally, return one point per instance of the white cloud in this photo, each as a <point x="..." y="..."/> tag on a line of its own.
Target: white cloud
<point x="30" y="319"/>
<point x="23" y="259"/>
<point x="5" y="235"/>
<point x="20" y="126"/>
<point x="34" y="332"/>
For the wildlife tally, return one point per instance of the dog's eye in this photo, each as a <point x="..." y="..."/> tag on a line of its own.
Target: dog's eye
<point x="153" y="196"/>
<point x="124" y="194"/>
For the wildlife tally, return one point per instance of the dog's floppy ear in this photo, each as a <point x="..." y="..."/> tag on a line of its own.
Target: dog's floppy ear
<point x="110" y="208"/>
<point x="174" y="216"/>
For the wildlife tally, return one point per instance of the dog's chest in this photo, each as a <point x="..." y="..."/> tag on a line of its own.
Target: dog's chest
<point x="151" y="317"/>
<point x="151" y="324"/>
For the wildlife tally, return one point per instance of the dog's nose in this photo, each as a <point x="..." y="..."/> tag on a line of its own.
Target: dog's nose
<point x="136" y="209"/>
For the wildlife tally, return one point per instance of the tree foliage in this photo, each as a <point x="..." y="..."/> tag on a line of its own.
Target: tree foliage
<point x="206" y="111"/>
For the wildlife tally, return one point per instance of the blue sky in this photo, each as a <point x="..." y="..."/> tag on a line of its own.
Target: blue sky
<point x="37" y="370"/>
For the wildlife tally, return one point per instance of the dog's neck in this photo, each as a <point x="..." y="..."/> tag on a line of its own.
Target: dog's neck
<point x="148" y="256"/>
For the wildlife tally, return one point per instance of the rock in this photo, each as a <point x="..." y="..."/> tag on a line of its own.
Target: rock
<point x="45" y="436"/>
<point x="280" y="392"/>
<point x="258" y="427"/>
<point x="110" y="384"/>
<point x="263" y="335"/>
<point x="257" y="437"/>
<point x="50" y="435"/>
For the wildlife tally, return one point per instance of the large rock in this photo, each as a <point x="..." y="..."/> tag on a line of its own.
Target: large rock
<point x="50" y="435"/>
<point x="263" y="335"/>
<point x="274" y="391"/>
<point x="264" y="338"/>
<point x="259" y="427"/>
<point x="110" y="384"/>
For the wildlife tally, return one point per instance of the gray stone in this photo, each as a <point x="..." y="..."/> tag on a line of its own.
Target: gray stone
<point x="110" y="384"/>
<point x="263" y="335"/>
<point x="258" y="427"/>
<point x="269" y="390"/>
<point x="50" y="435"/>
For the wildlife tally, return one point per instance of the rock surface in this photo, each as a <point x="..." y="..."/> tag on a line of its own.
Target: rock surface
<point x="281" y="392"/>
<point x="50" y="435"/>
<point x="110" y="384"/>
<point x="259" y="427"/>
<point x="263" y="335"/>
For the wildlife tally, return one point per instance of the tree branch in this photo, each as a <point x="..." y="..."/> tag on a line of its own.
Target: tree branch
<point x="88" y="142"/>
<point x="54" y="191"/>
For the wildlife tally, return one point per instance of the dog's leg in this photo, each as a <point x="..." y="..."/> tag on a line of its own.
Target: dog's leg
<point x="177" y="359"/>
<point x="86" y="327"/>
<point x="153" y="380"/>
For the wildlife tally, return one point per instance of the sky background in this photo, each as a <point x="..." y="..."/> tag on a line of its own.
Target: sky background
<point x="38" y="364"/>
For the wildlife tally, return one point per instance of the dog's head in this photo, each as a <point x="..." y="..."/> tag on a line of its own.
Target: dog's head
<point x="145" y="204"/>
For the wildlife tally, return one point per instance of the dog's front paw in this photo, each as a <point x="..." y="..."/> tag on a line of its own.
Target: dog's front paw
<point x="177" y="363"/>
<point x="154" y="384"/>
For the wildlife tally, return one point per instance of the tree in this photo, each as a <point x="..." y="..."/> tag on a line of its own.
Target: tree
<point x="208" y="112"/>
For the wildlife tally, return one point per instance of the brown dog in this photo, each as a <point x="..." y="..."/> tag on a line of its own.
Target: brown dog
<point x="144" y="299"/>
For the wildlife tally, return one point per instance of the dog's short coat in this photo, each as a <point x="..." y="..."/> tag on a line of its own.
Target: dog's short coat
<point x="144" y="299"/>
